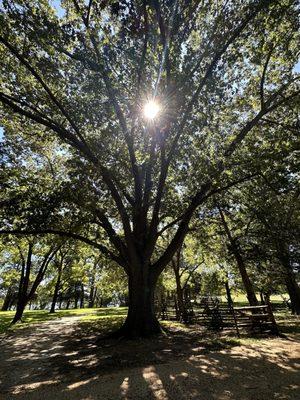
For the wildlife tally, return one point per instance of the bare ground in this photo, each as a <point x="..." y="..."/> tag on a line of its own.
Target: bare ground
<point x="59" y="360"/>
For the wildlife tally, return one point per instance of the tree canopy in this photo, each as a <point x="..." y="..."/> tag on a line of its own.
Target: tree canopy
<point x="82" y="159"/>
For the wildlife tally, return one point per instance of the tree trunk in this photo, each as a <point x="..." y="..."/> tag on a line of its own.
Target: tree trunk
<point x="240" y="262"/>
<point x="293" y="291"/>
<point x="23" y="286"/>
<point x="93" y="290"/>
<point x="91" y="297"/>
<point x="76" y="296"/>
<point x="19" y="310"/>
<point x="7" y="300"/>
<point x="180" y="300"/>
<point x="245" y="278"/>
<point x="56" y="290"/>
<point x="289" y="277"/>
<point x="141" y="320"/>
<point x="228" y="294"/>
<point x="81" y="296"/>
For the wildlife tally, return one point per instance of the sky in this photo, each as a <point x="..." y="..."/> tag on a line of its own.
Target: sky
<point x="56" y="5"/>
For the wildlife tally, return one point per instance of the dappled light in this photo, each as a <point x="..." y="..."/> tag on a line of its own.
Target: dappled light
<point x="63" y="356"/>
<point x="58" y="365"/>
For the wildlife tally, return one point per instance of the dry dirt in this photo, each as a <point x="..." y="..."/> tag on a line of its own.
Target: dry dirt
<point x="56" y="360"/>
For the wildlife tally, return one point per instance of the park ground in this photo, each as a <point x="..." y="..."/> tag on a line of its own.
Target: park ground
<point x="60" y="356"/>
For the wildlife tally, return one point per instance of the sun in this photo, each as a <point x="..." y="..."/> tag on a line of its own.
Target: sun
<point x="151" y="109"/>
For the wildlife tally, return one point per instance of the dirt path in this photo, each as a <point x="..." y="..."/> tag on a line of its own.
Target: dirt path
<point x="52" y="361"/>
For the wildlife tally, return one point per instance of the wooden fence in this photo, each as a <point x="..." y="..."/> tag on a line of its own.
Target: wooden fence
<point x="216" y="315"/>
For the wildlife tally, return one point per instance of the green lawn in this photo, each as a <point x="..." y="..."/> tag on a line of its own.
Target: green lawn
<point x="108" y="319"/>
<point x="34" y="316"/>
<point x="242" y="298"/>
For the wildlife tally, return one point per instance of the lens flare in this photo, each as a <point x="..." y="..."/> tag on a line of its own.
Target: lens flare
<point x="151" y="109"/>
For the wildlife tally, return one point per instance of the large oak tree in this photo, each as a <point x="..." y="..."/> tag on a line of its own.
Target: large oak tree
<point x="76" y="79"/>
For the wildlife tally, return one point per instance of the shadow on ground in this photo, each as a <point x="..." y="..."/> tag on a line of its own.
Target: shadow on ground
<point x="61" y="360"/>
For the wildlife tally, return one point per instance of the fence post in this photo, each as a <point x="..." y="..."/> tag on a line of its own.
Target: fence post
<point x="272" y="318"/>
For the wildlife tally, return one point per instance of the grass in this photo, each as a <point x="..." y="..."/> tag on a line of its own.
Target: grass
<point x="38" y="316"/>
<point x="105" y="320"/>
<point x="242" y="298"/>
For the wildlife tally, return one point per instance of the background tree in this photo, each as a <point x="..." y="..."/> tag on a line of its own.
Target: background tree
<point x="34" y="258"/>
<point x="275" y="232"/>
<point x="9" y="274"/>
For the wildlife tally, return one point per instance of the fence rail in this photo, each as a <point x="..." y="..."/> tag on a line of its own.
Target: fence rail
<point x="219" y="316"/>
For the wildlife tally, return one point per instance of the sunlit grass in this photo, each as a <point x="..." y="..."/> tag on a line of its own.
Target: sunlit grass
<point x="39" y="316"/>
<point x="242" y="298"/>
<point x="105" y="320"/>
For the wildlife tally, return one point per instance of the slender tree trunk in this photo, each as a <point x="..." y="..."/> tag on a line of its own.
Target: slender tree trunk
<point x="293" y="291"/>
<point x="289" y="277"/>
<point x="180" y="309"/>
<point x="180" y="298"/>
<point x="82" y="297"/>
<point x="23" y="286"/>
<point x="91" y="297"/>
<point x="25" y="295"/>
<point x="251" y="296"/>
<point x="228" y="294"/>
<point x="7" y="300"/>
<point x="93" y="290"/>
<point x="76" y="298"/>
<point x="56" y="289"/>
<point x="20" y="309"/>
<point x="240" y="262"/>
<point x="95" y="298"/>
<point x="141" y="320"/>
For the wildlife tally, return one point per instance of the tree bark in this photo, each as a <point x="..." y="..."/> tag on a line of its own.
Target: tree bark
<point x="81" y="305"/>
<point x="180" y="300"/>
<point x="24" y="294"/>
<point x="181" y="308"/>
<point x="251" y="296"/>
<point x="23" y="285"/>
<point x="93" y="290"/>
<point x="240" y="262"/>
<point x="7" y="300"/>
<point x="56" y="289"/>
<point x="228" y="294"/>
<point x="19" y="310"/>
<point x="141" y="320"/>
<point x="289" y="278"/>
<point x="91" y="302"/>
<point x="293" y="291"/>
